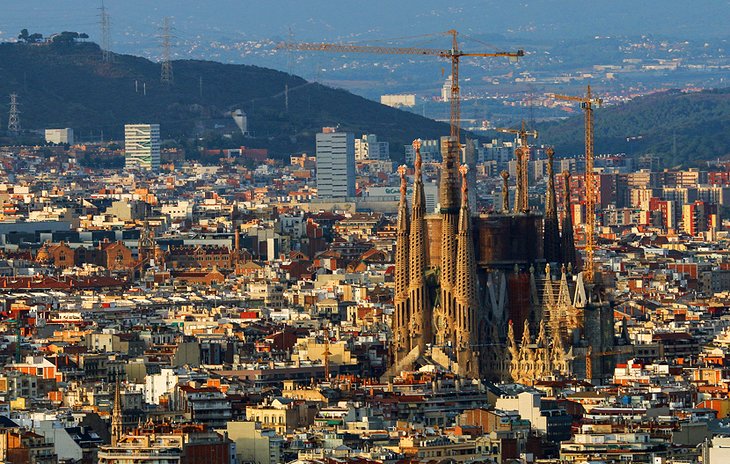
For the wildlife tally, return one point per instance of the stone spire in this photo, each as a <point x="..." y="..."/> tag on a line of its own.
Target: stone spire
<point x="534" y="297"/>
<point x="465" y="292"/>
<point x="569" y="256"/>
<point x="449" y="219"/>
<point x="551" y="233"/>
<point x="505" y="191"/>
<point x="420" y="307"/>
<point x="519" y="207"/>
<point x="558" y="359"/>
<point x="564" y="291"/>
<point x="548" y="293"/>
<point x="526" y="365"/>
<point x="513" y="353"/>
<point x="543" y="359"/>
<point x="401" y="318"/>
<point x="117" y="421"/>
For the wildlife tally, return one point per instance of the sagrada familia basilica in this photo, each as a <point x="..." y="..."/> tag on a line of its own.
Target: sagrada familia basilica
<point x="466" y="288"/>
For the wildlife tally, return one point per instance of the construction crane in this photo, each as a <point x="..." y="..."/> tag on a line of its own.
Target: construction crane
<point x="454" y="54"/>
<point x="589" y="359"/>
<point x="586" y="103"/>
<point x="523" y="157"/>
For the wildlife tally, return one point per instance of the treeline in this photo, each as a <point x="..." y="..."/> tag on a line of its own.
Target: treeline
<point x="685" y="129"/>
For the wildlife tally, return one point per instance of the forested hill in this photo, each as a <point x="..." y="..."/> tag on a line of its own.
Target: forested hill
<point x="68" y="85"/>
<point x="683" y="128"/>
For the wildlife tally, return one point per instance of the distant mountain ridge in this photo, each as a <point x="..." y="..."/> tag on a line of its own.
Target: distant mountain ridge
<point x="683" y="128"/>
<point x="376" y="19"/>
<point x="70" y="86"/>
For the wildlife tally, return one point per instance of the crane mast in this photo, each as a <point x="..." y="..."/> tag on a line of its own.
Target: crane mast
<point x="589" y="359"/>
<point x="586" y="104"/>
<point x="454" y="55"/>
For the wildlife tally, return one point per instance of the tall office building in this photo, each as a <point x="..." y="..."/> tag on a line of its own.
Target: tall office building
<point x="335" y="164"/>
<point x="142" y="146"/>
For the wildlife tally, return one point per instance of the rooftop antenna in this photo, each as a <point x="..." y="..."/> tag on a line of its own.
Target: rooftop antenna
<point x="14" y="117"/>
<point x="106" y="36"/>
<point x="166" y="76"/>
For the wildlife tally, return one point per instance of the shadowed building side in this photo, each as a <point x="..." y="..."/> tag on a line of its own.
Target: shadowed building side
<point x="568" y="245"/>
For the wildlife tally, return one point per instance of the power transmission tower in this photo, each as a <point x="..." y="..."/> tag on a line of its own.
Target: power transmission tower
<point x="166" y="76"/>
<point x="106" y="36"/>
<point x="14" y="118"/>
<point x="289" y="54"/>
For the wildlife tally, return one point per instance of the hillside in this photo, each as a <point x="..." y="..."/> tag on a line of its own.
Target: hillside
<point x="683" y="128"/>
<point x="69" y="86"/>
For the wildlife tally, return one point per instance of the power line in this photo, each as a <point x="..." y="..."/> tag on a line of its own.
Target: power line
<point x="166" y="76"/>
<point x="14" y="118"/>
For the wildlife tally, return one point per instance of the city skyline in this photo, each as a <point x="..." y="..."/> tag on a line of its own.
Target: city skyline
<point x="521" y="259"/>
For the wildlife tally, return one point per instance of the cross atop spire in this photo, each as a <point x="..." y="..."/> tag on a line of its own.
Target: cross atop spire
<point x="463" y="170"/>
<point x="403" y="183"/>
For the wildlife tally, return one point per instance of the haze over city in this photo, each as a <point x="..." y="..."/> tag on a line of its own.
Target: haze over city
<point x="321" y="232"/>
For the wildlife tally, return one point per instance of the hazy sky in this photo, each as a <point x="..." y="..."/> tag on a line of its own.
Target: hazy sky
<point x="357" y="19"/>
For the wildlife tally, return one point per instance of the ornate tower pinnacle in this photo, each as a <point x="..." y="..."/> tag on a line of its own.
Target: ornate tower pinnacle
<point x="543" y="358"/>
<point x="117" y="422"/>
<point x="465" y="291"/>
<point x="569" y="256"/>
<point x="420" y="308"/>
<point x="526" y="362"/>
<point x="448" y="188"/>
<point x="401" y="318"/>
<point x="449" y="220"/>
<point x="521" y="196"/>
<point x="513" y="352"/>
<point x="505" y="191"/>
<point x="518" y="180"/>
<point x="551" y="233"/>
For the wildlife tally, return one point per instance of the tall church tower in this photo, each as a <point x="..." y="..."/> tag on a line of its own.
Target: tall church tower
<point x="401" y="316"/>
<point x="569" y="256"/>
<point x="117" y="420"/>
<point x="551" y="232"/>
<point x="465" y="290"/>
<point x="449" y="198"/>
<point x="448" y="327"/>
<point x="421" y="315"/>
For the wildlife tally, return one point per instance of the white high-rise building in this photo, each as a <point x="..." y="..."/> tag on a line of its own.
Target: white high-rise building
<point x="369" y="148"/>
<point x="60" y="136"/>
<point x="446" y="89"/>
<point x="399" y="100"/>
<point x="142" y="146"/>
<point x="335" y="164"/>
